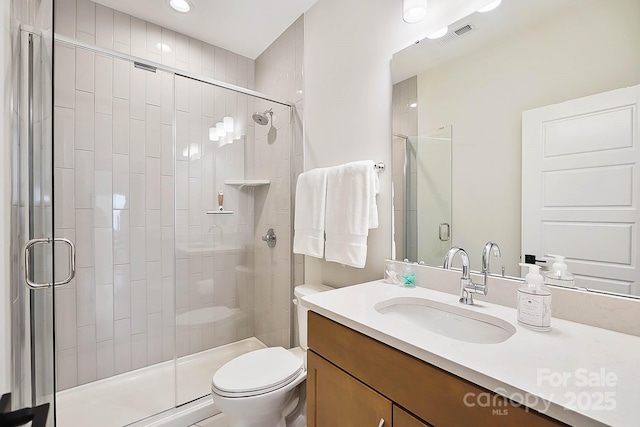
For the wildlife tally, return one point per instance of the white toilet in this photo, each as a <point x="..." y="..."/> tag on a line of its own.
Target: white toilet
<point x="252" y="390"/>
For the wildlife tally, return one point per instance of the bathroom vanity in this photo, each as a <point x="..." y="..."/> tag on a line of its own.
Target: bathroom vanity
<point x="369" y="369"/>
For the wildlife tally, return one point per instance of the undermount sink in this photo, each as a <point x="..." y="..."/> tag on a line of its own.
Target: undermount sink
<point x="447" y="320"/>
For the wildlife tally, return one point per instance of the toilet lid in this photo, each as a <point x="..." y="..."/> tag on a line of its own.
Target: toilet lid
<point x="257" y="372"/>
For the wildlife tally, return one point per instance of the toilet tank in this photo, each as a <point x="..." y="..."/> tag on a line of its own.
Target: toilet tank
<point x="299" y="292"/>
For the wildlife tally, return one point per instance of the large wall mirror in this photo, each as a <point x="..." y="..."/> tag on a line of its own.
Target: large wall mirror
<point x="477" y="81"/>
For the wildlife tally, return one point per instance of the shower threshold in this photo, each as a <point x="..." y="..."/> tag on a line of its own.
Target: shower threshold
<point x="146" y="396"/>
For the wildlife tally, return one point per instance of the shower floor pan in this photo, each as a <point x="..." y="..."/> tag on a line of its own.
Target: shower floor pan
<point x="128" y="398"/>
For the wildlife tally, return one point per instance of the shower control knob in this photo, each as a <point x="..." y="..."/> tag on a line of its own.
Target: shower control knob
<point x="270" y="238"/>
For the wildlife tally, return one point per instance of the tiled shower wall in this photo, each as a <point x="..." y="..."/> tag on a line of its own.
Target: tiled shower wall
<point x="279" y="73"/>
<point x="114" y="180"/>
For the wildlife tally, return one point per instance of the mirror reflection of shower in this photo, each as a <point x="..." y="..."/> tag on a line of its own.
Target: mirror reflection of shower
<point x="263" y="120"/>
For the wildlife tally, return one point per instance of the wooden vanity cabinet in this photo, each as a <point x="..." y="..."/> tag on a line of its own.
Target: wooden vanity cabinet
<point x="355" y="381"/>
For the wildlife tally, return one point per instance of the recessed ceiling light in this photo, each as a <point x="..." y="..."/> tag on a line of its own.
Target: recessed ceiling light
<point x="182" y="6"/>
<point x="441" y="32"/>
<point x="414" y="10"/>
<point x="490" y="6"/>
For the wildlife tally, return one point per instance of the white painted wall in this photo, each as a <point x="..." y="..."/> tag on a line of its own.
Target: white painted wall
<point x="483" y="95"/>
<point x="5" y="166"/>
<point x="347" y="66"/>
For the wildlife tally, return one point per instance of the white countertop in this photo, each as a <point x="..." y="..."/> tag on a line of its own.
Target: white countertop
<point x="601" y="367"/>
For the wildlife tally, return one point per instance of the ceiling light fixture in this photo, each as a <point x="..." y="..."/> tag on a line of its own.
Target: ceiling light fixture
<point x="182" y="6"/>
<point x="441" y="32"/>
<point x="414" y="10"/>
<point x="490" y="6"/>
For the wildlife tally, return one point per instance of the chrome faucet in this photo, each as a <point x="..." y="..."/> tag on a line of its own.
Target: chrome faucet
<point x="467" y="287"/>
<point x="491" y="248"/>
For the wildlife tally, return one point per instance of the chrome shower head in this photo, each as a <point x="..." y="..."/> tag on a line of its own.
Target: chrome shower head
<point x="261" y="118"/>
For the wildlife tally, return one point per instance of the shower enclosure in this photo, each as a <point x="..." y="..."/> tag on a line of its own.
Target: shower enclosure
<point x="164" y="186"/>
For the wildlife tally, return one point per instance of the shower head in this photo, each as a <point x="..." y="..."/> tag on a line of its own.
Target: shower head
<point x="261" y="118"/>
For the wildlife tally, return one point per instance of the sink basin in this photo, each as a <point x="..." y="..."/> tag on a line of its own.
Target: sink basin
<point x="447" y="320"/>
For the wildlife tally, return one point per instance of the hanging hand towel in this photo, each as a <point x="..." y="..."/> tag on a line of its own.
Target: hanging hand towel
<point x="350" y="190"/>
<point x="311" y="193"/>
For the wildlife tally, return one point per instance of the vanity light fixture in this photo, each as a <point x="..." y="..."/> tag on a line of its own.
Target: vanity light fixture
<point x="213" y="134"/>
<point x="414" y="10"/>
<point x="182" y="6"/>
<point x="441" y="32"/>
<point x="490" y="6"/>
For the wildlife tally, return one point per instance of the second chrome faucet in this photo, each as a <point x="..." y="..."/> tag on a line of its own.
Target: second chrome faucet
<point x="467" y="287"/>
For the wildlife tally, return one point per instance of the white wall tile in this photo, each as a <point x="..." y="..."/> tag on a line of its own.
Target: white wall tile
<point x="121" y="181"/>
<point x="153" y="135"/>
<point x="154" y="338"/>
<point x="64" y="75"/>
<point x="67" y="368"/>
<point x="138" y="253"/>
<point x="167" y="207"/>
<point x="121" y="292"/>
<point x="64" y="137"/>
<point x="137" y="146"/>
<point x="120" y="126"/>
<point x="137" y="199"/>
<point x="167" y="157"/>
<point x="84" y="120"/>
<point x="121" y="233"/>
<point x="84" y="238"/>
<point x="195" y="56"/>
<point x="137" y="91"/>
<point x="154" y="38"/>
<point x="86" y="16"/>
<point x="182" y="48"/>
<point x="104" y="84"/>
<point x="104" y="312"/>
<point x="104" y="256"/>
<point x="121" y="28"/>
<point x="65" y="319"/>
<point x="121" y="79"/>
<point x="65" y="18"/>
<point x="122" y="345"/>
<point x="64" y="206"/>
<point x="138" y="306"/>
<point x="85" y="69"/>
<point x="153" y="236"/>
<point x="169" y="40"/>
<point x="168" y="252"/>
<point x="153" y="184"/>
<point x="154" y="288"/>
<point x="139" y="350"/>
<point x="104" y="26"/>
<point x="154" y="87"/>
<point x="103" y="142"/>
<point x="138" y="38"/>
<point x="106" y="359"/>
<point x="103" y="194"/>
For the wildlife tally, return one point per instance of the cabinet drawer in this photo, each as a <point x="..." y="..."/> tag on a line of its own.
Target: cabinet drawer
<point x="432" y="394"/>
<point x="402" y="418"/>
<point x="335" y="398"/>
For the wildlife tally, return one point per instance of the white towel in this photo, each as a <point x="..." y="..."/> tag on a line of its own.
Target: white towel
<point x="311" y="193"/>
<point x="351" y="212"/>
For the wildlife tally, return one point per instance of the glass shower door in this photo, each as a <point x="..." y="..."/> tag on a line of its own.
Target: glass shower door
<point x="32" y="243"/>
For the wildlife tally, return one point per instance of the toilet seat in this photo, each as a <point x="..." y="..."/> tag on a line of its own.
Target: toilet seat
<point x="257" y="372"/>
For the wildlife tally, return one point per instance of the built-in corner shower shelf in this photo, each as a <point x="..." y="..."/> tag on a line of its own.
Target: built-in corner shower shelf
<point x="247" y="182"/>
<point x="219" y="212"/>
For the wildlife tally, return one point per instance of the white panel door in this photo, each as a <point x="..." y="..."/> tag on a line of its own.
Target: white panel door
<point x="581" y="187"/>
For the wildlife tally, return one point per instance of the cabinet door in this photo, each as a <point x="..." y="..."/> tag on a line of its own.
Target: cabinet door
<point x="335" y="398"/>
<point x="402" y="418"/>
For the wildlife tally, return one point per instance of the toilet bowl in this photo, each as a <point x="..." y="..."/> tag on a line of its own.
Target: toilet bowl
<point x="253" y="389"/>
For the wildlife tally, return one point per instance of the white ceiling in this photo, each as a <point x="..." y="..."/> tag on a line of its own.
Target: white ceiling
<point x="246" y="27"/>
<point x="491" y="27"/>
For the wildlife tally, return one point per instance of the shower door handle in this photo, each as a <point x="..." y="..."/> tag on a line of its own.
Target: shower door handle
<point x="27" y="262"/>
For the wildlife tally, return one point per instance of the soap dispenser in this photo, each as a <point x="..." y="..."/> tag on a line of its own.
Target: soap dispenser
<point x="559" y="274"/>
<point x="534" y="301"/>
